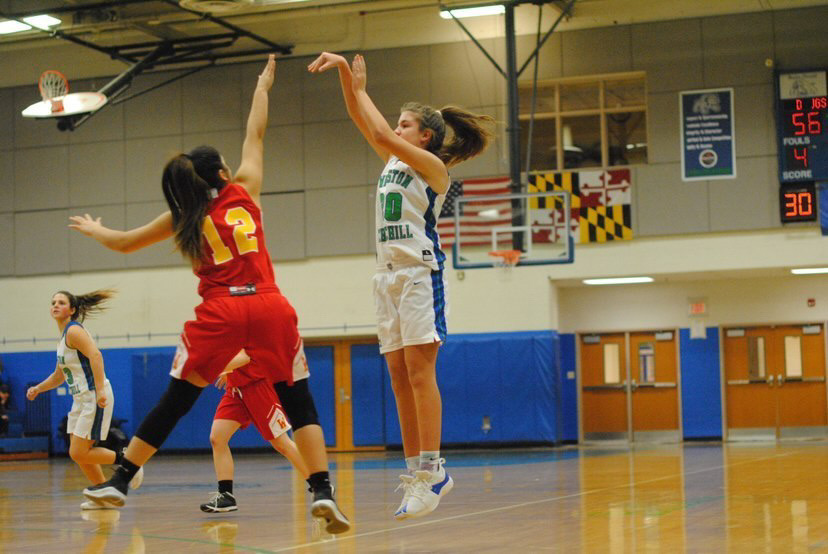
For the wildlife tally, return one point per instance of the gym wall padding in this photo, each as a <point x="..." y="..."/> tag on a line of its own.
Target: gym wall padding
<point x="321" y="384"/>
<point x="369" y="381"/>
<point x="569" y="388"/>
<point x="701" y="389"/>
<point x="509" y="380"/>
<point x="517" y="380"/>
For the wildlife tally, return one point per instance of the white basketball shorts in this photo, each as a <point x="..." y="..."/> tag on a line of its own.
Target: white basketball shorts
<point x="86" y="419"/>
<point x="411" y="307"/>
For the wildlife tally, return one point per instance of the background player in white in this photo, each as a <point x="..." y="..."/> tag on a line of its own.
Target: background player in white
<point x="409" y="286"/>
<point x="80" y="364"/>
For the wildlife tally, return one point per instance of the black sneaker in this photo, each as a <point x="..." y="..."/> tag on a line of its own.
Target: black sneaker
<point x="112" y="492"/>
<point x="324" y="506"/>
<point x="220" y="502"/>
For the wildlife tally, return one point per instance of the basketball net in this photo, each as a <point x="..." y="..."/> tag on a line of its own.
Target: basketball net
<point x="53" y="87"/>
<point x="505" y="260"/>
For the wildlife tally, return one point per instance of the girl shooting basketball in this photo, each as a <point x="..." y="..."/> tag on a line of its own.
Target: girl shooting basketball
<point x="409" y="286"/>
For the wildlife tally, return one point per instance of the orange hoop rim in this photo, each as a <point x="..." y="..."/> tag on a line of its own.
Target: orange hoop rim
<point x="52" y="83"/>
<point x="506" y="258"/>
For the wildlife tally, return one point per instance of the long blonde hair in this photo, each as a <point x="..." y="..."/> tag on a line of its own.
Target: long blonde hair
<point x="471" y="133"/>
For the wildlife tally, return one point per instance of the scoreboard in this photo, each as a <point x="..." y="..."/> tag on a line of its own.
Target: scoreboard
<point x="802" y="126"/>
<point x="802" y="135"/>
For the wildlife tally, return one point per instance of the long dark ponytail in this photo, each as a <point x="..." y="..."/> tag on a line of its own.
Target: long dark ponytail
<point x="470" y="132"/>
<point x="188" y="182"/>
<point x="85" y="304"/>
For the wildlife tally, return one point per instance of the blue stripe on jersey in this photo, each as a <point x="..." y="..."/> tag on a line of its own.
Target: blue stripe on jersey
<point x="84" y="361"/>
<point x="87" y="370"/>
<point x="95" y="434"/>
<point x="431" y="228"/>
<point x="439" y="294"/>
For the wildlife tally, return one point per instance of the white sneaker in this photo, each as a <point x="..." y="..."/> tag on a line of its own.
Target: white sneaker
<point x="89" y="505"/>
<point x="407" y="486"/>
<point x="138" y="479"/>
<point x="427" y="490"/>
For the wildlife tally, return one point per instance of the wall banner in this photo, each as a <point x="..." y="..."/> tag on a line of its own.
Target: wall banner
<point x="708" y="150"/>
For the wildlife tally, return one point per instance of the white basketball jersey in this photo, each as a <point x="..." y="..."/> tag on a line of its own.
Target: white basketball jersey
<point x="406" y="218"/>
<point x="75" y="365"/>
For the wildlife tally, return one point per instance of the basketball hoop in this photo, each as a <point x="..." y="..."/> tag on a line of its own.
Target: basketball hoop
<point x="58" y="102"/>
<point x="53" y="87"/>
<point x="505" y="259"/>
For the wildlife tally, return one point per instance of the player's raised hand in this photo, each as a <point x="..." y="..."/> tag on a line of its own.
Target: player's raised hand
<point x="221" y="382"/>
<point x="85" y="224"/>
<point x="359" y="73"/>
<point x="268" y="73"/>
<point x="32" y="393"/>
<point x="326" y="61"/>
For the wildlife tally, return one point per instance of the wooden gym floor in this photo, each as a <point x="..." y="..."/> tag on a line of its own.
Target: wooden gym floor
<point x="667" y="498"/>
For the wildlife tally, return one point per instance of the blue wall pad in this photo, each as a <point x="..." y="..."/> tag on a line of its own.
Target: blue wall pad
<point x="496" y="387"/>
<point x="321" y="384"/>
<point x="569" y="388"/>
<point x="701" y="393"/>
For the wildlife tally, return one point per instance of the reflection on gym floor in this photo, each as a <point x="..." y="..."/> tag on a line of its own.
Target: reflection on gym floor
<point x="693" y="497"/>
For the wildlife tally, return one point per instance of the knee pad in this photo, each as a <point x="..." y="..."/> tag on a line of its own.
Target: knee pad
<point x="297" y="403"/>
<point x="174" y="404"/>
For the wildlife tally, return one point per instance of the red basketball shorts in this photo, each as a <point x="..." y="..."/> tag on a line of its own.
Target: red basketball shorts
<point x="257" y="403"/>
<point x="264" y="324"/>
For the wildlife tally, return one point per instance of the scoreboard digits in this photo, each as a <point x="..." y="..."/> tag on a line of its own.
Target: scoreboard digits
<point x="802" y="129"/>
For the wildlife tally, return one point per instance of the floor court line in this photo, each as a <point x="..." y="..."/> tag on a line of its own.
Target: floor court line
<point x="531" y="503"/>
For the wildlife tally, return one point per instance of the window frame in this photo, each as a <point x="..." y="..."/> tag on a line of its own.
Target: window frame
<point x="525" y="87"/>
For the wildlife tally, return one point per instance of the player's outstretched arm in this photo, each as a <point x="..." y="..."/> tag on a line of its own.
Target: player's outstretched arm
<point x="156" y="230"/>
<point x="54" y="380"/>
<point x="424" y="162"/>
<point x="328" y="60"/>
<point x="249" y="174"/>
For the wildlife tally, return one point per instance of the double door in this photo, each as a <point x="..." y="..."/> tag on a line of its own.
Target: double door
<point x="352" y="393"/>
<point x="775" y="382"/>
<point x="629" y="386"/>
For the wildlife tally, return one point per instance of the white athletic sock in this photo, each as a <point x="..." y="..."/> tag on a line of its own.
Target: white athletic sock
<point x="430" y="461"/>
<point x="412" y="464"/>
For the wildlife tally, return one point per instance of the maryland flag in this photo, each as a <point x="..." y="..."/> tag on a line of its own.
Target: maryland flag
<point x="600" y="204"/>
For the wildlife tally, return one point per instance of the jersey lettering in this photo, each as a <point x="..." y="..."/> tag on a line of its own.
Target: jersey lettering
<point x="244" y="228"/>
<point x="394" y="232"/>
<point x="395" y="176"/>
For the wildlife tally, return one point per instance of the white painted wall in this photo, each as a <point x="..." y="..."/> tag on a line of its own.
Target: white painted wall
<point x="745" y="278"/>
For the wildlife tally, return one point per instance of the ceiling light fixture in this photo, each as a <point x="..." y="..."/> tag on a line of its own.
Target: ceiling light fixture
<point x="809" y="270"/>
<point x="42" y="22"/>
<point x="618" y="281"/>
<point x="8" y="27"/>
<point x="473" y="12"/>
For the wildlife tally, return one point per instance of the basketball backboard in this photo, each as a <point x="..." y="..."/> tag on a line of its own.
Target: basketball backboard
<point x="535" y="224"/>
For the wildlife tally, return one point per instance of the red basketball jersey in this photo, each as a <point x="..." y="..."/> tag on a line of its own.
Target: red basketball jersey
<point x="235" y="252"/>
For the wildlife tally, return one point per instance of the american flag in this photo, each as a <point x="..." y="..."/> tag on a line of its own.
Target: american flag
<point x="477" y="218"/>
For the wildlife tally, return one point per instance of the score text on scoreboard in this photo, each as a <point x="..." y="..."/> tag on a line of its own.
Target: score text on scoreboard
<point x="797" y="202"/>
<point x="802" y="126"/>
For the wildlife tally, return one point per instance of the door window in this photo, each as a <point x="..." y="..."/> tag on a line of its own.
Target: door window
<point x="756" y="358"/>
<point x="646" y="362"/>
<point x="612" y="364"/>
<point x="793" y="357"/>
